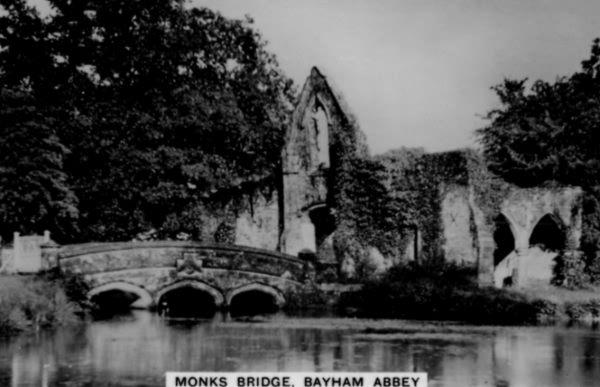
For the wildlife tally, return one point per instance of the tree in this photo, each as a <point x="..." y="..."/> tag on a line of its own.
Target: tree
<point x="159" y="105"/>
<point x="34" y="195"/>
<point x="548" y="134"/>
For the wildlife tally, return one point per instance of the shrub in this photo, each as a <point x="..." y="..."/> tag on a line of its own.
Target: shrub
<point x="570" y="271"/>
<point x="33" y="303"/>
<point x="438" y="291"/>
<point x="74" y="286"/>
<point x="546" y="309"/>
<point x="306" y="297"/>
<point x="576" y="310"/>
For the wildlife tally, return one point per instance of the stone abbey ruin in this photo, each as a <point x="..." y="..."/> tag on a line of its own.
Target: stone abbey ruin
<point x="354" y="215"/>
<point x="443" y="205"/>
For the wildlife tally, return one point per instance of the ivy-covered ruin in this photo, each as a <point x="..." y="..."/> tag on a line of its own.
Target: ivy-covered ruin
<point x="357" y="215"/>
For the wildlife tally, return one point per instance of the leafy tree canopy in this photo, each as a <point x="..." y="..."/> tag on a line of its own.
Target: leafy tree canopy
<point x="147" y="107"/>
<point x="549" y="133"/>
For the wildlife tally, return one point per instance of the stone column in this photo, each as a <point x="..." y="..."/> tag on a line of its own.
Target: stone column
<point x="485" y="263"/>
<point x="521" y="241"/>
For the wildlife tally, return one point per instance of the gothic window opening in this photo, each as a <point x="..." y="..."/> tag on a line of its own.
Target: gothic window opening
<point x="320" y="132"/>
<point x="324" y="224"/>
<point x="503" y="238"/>
<point x="548" y="235"/>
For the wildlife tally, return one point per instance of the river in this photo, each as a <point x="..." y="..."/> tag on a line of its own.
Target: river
<point x="135" y="349"/>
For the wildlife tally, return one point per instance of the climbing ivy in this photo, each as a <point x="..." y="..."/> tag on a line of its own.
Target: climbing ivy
<point x="380" y="200"/>
<point x="590" y="236"/>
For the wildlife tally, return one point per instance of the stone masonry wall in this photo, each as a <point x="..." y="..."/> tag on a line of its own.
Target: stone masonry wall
<point x="457" y="219"/>
<point x="258" y="225"/>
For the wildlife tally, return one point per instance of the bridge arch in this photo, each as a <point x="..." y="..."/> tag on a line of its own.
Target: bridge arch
<point x="256" y="287"/>
<point x="198" y="285"/>
<point x="144" y="296"/>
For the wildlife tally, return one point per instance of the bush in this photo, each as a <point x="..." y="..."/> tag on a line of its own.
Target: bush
<point x="33" y="303"/>
<point x="576" y="310"/>
<point x="306" y="297"/>
<point x="570" y="271"/>
<point x="438" y="291"/>
<point x="74" y="286"/>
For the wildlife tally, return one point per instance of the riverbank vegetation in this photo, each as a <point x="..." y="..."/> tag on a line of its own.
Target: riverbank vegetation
<point x="442" y="291"/>
<point x="40" y="301"/>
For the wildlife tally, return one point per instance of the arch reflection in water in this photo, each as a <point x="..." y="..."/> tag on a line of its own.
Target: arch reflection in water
<point x="137" y="349"/>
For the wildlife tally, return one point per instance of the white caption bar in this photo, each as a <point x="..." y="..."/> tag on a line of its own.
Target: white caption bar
<point x="296" y="379"/>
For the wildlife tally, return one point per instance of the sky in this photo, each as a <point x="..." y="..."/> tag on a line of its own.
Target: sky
<point x="418" y="73"/>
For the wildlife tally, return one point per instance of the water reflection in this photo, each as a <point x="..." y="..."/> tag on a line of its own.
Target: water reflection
<point x="136" y="349"/>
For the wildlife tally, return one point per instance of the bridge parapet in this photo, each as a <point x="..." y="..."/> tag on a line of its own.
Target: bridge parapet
<point x="185" y="257"/>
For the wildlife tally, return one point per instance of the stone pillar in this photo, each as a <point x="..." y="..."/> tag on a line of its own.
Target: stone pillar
<point x="519" y="275"/>
<point x="516" y="275"/>
<point x="49" y="255"/>
<point x="485" y="263"/>
<point x="521" y="241"/>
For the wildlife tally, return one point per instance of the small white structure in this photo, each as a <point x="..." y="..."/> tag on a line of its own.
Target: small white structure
<point x="25" y="255"/>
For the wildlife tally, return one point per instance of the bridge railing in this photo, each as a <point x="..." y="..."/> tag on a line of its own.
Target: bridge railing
<point x="92" y="258"/>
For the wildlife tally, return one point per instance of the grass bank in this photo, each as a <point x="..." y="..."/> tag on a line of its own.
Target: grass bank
<point x="35" y="302"/>
<point x="450" y="292"/>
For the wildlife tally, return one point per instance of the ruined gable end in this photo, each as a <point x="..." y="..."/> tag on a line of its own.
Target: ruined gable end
<point x="321" y="135"/>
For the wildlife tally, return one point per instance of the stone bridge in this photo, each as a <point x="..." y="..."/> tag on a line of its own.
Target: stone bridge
<point x="152" y="271"/>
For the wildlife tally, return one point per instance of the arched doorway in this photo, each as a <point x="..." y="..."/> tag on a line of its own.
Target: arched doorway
<point x="504" y="239"/>
<point x="324" y="226"/>
<point x="548" y="234"/>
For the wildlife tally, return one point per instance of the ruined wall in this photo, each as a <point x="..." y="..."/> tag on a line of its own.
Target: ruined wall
<point x="525" y="207"/>
<point x="453" y="202"/>
<point x="525" y="210"/>
<point x="258" y="225"/>
<point x="405" y="204"/>
<point x="322" y="133"/>
<point x="460" y="243"/>
<point x="248" y="217"/>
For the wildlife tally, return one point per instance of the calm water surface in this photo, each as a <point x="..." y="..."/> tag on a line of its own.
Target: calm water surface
<point x="136" y="349"/>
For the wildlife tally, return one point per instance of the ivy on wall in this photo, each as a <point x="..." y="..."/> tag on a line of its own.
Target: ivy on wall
<point x="380" y="200"/>
<point x="589" y="267"/>
<point x="211" y="217"/>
